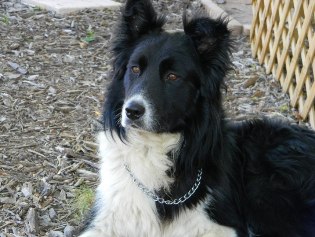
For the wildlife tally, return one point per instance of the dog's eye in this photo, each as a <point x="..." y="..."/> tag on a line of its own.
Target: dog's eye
<point x="135" y="69"/>
<point x="172" y="77"/>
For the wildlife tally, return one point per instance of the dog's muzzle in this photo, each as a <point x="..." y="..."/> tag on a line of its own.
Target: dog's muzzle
<point x="136" y="113"/>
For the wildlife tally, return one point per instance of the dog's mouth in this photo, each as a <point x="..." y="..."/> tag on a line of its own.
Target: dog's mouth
<point x="132" y="125"/>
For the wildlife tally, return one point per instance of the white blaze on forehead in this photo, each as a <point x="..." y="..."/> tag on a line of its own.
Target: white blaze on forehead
<point x="147" y="118"/>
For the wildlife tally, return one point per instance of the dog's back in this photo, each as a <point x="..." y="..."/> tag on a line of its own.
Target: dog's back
<point x="275" y="166"/>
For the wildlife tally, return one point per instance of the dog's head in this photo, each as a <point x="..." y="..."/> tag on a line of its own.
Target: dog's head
<point x="165" y="82"/>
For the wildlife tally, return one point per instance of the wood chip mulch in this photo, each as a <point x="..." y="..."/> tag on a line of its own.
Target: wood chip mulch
<point x="53" y="72"/>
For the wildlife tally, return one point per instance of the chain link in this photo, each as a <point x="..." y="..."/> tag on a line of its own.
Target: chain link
<point x="160" y="200"/>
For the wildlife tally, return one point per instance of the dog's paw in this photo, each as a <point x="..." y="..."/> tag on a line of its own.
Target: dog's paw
<point x="94" y="233"/>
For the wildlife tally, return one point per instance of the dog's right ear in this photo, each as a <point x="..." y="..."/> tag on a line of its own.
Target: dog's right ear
<point x="138" y="19"/>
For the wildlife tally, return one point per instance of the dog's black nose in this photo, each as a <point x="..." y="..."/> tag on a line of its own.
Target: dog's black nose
<point x="134" y="111"/>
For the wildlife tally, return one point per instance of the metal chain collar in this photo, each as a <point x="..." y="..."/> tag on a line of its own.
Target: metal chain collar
<point x="160" y="200"/>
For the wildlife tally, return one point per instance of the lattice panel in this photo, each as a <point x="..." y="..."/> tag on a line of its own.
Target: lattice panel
<point x="283" y="39"/>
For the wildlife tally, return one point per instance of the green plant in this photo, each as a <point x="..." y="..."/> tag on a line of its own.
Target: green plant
<point x="284" y="108"/>
<point x="37" y="8"/>
<point x="90" y="35"/>
<point x="4" y="19"/>
<point x="84" y="197"/>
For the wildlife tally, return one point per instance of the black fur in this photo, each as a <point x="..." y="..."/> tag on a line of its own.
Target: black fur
<point x="261" y="173"/>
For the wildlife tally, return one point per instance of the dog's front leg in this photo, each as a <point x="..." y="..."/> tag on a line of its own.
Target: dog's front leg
<point x="100" y="222"/>
<point x="220" y="231"/>
<point x="95" y="233"/>
<point x="97" y="229"/>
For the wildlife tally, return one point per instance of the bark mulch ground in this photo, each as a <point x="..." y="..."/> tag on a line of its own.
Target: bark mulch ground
<point x="53" y="72"/>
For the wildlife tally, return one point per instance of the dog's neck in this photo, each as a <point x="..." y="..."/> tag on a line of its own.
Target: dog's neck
<point x="154" y="157"/>
<point x="168" y="142"/>
<point x="149" y="156"/>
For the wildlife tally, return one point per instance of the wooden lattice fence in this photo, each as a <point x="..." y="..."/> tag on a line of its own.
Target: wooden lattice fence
<point x="283" y="39"/>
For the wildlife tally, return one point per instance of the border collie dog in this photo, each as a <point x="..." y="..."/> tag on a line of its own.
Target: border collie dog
<point x="171" y="165"/>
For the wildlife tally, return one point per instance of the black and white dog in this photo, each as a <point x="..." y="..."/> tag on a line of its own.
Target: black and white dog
<point x="171" y="165"/>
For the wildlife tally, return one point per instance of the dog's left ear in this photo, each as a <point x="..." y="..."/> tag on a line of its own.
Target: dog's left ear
<point x="211" y="39"/>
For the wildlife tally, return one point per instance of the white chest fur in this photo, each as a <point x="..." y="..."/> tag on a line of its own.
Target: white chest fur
<point x="123" y="210"/>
